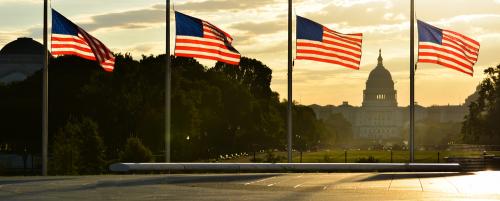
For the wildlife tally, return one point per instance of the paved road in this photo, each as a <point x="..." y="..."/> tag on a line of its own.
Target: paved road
<point x="309" y="186"/>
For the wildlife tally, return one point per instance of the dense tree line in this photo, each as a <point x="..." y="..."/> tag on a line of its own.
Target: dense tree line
<point x="217" y="110"/>
<point x="482" y="124"/>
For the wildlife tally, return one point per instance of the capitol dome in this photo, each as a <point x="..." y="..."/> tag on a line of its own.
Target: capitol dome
<point x="22" y="46"/>
<point x="380" y="77"/>
<point x="20" y="59"/>
<point x="379" y="87"/>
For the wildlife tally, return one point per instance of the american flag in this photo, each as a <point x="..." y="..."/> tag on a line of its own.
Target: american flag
<point x="447" y="48"/>
<point x="69" y="39"/>
<point x="318" y="43"/>
<point x="200" y="39"/>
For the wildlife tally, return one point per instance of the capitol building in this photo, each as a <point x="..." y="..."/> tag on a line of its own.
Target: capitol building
<point x="20" y="59"/>
<point x="380" y="118"/>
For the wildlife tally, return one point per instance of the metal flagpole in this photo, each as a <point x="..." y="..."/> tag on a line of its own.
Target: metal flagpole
<point x="412" y="84"/>
<point x="290" y="63"/>
<point x="45" y="98"/>
<point x="167" y="87"/>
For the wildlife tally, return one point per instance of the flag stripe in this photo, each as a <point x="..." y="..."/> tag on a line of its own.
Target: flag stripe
<point x="328" y="60"/>
<point x="348" y="42"/>
<point x="215" y="55"/>
<point x="73" y="52"/>
<point x="444" y="56"/>
<point x="326" y="54"/>
<point x="307" y="54"/>
<point x="437" y="49"/>
<point x="208" y="50"/>
<point x="206" y="56"/>
<point x="445" y="64"/>
<point x="346" y="39"/>
<point x="466" y="39"/>
<point x="71" y="46"/>
<point x="301" y="44"/>
<point x="459" y="46"/>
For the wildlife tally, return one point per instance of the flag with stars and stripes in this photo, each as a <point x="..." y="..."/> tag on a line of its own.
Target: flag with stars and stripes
<point x="200" y="39"/>
<point x="69" y="39"/>
<point x="318" y="43"/>
<point x="446" y="48"/>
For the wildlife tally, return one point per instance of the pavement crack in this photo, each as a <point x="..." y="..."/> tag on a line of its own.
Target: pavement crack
<point x="420" y="181"/>
<point x="390" y="183"/>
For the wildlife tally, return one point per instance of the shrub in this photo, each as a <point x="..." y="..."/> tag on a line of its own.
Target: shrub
<point x="91" y="149"/>
<point x="327" y="159"/>
<point x="273" y="158"/>
<point x="370" y="159"/>
<point x="136" y="152"/>
<point x="256" y="160"/>
<point x="78" y="148"/>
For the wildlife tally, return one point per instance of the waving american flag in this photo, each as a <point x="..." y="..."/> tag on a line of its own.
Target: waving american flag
<point x="69" y="39"/>
<point x="200" y="39"/>
<point x="318" y="43"/>
<point x="446" y="48"/>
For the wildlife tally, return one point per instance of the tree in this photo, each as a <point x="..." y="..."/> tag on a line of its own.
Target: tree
<point x="481" y="124"/>
<point x="136" y="152"/>
<point x="65" y="151"/>
<point x="91" y="160"/>
<point x="339" y="128"/>
<point x="217" y="110"/>
<point x="78" y="148"/>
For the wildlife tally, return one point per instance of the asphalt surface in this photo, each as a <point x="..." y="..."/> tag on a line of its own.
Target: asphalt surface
<point x="267" y="186"/>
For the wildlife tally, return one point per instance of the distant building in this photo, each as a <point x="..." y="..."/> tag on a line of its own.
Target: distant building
<point x="20" y="59"/>
<point x="379" y="117"/>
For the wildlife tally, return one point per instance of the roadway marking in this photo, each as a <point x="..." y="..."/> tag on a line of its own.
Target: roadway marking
<point x="455" y="187"/>
<point x="253" y="182"/>
<point x="390" y="183"/>
<point x="419" y="181"/>
<point x="277" y="182"/>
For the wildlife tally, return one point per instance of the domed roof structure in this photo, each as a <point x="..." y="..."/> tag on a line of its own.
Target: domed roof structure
<point x="380" y="77"/>
<point x="379" y="90"/>
<point x="20" y="59"/>
<point x="22" y="46"/>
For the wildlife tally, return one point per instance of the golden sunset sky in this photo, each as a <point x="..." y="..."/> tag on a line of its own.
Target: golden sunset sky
<point x="259" y="28"/>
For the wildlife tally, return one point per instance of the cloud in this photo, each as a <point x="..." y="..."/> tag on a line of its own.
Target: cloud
<point x="357" y="13"/>
<point x="223" y="5"/>
<point x="476" y="24"/>
<point x="257" y="28"/>
<point x="21" y="2"/>
<point x="144" y="48"/>
<point x="9" y="36"/>
<point x="132" y="19"/>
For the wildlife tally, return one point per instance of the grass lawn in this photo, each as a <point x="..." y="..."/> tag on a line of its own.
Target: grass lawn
<point x="338" y="156"/>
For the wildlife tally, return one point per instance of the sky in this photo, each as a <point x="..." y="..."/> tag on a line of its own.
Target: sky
<point x="259" y="29"/>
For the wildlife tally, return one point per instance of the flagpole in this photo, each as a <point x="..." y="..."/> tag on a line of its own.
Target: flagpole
<point x="412" y="84"/>
<point x="167" y="86"/>
<point x="289" y="114"/>
<point x="45" y="97"/>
